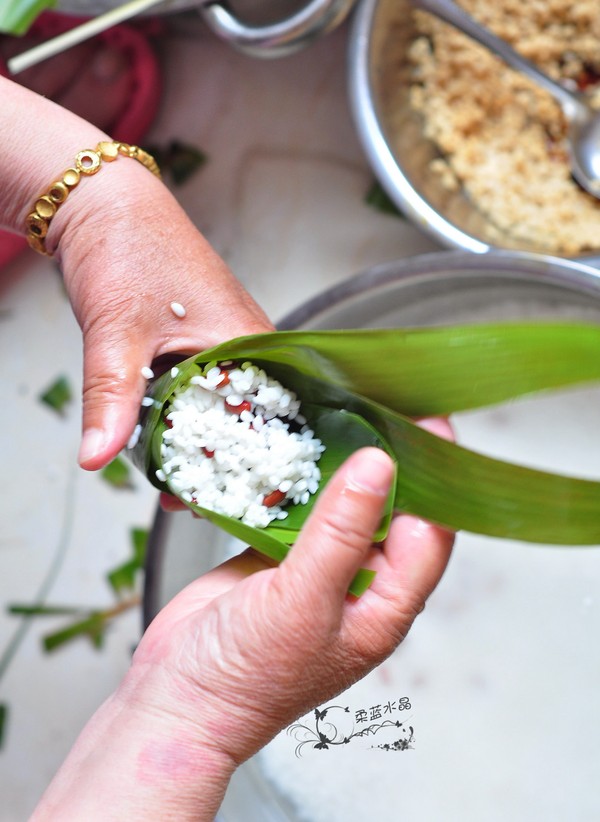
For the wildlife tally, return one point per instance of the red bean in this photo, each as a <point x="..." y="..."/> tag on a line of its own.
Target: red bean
<point x="224" y="379"/>
<point x="274" y="498"/>
<point x="245" y="405"/>
<point x="210" y="454"/>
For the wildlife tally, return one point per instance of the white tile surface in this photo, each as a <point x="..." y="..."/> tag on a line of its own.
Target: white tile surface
<point x="281" y="199"/>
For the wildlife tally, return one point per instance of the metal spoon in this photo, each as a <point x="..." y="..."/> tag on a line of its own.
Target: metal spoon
<point x="583" y="132"/>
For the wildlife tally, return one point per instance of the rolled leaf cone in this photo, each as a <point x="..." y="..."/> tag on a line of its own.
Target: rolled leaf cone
<point x="363" y="387"/>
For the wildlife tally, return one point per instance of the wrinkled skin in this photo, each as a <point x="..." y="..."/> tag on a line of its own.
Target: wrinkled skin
<point x="246" y="649"/>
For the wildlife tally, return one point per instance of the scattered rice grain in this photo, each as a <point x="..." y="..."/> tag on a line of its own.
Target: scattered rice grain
<point x="134" y="438"/>
<point x="178" y="310"/>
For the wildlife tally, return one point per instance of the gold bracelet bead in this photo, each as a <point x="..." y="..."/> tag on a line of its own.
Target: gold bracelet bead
<point x="87" y="162"/>
<point x="137" y="153"/>
<point x="45" y="207"/>
<point x="109" y="151"/>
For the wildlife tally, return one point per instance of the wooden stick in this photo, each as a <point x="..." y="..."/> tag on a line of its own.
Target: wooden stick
<point x="78" y="34"/>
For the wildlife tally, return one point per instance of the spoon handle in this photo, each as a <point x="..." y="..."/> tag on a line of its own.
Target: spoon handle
<point x="451" y="13"/>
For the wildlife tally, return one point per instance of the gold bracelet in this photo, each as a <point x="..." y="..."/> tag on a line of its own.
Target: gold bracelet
<point x="87" y="162"/>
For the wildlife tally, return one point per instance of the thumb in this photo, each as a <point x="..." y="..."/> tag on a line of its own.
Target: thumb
<point x="113" y="386"/>
<point x="339" y="532"/>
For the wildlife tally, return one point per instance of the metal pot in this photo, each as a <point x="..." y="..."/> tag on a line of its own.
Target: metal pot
<point x="501" y="668"/>
<point x="262" y="29"/>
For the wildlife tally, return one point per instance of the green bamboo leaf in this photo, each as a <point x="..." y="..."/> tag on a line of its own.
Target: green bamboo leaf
<point x="16" y="16"/>
<point x="384" y="377"/>
<point x="463" y="490"/>
<point x="430" y="371"/>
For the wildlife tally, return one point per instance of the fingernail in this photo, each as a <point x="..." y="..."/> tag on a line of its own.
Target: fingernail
<point x="371" y="470"/>
<point x="92" y="444"/>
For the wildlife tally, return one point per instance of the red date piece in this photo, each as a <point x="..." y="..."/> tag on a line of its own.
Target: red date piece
<point x="274" y="498"/>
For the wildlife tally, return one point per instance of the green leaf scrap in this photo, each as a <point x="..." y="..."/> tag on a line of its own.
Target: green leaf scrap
<point x="57" y="395"/>
<point x="92" y="626"/>
<point x="378" y="198"/>
<point x="117" y="473"/>
<point x="179" y="160"/>
<point x="45" y="610"/>
<point x="123" y="577"/>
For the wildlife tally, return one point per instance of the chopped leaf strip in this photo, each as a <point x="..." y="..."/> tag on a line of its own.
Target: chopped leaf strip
<point x="57" y="395"/>
<point x="45" y="610"/>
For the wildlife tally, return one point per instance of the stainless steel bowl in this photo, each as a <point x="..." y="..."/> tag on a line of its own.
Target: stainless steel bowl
<point x="502" y="666"/>
<point x="392" y="133"/>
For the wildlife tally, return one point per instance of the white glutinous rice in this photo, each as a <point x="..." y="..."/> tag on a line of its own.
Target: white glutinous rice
<point x="135" y="436"/>
<point x="234" y="445"/>
<point x="147" y="372"/>
<point x="178" y="310"/>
